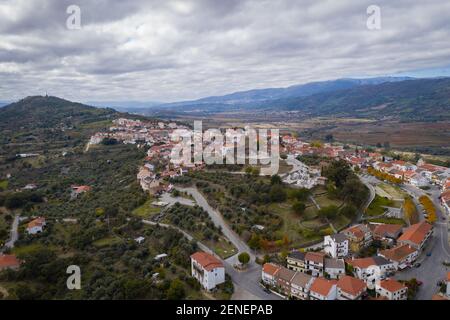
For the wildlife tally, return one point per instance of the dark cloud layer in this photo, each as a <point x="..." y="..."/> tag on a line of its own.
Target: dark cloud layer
<point x="172" y="50"/>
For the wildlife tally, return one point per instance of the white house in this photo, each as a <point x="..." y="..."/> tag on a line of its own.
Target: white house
<point x="371" y="269"/>
<point x="416" y="235"/>
<point x="336" y="245"/>
<point x="323" y="289"/>
<point x="349" y="288"/>
<point x="315" y="263"/>
<point x="269" y="271"/>
<point x="402" y="256"/>
<point x="334" y="268"/>
<point x="300" y="285"/>
<point x="36" y="226"/>
<point x="391" y="289"/>
<point x="207" y="269"/>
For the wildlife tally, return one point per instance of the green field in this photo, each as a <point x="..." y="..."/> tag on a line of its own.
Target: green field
<point x="107" y="241"/>
<point x="390" y="191"/>
<point x="305" y="228"/>
<point x="147" y="209"/>
<point x="388" y="220"/>
<point x="376" y="208"/>
<point x="3" y="185"/>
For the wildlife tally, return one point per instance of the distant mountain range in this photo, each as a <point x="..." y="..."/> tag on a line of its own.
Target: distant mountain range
<point x="399" y="98"/>
<point x="302" y="90"/>
<point x="124" y="105"/>
<point x="4" y="103"/>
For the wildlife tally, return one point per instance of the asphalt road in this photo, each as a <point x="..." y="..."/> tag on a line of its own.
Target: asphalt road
<point x="247" y="281"/>
<point x="432" y="269"/>
<point x="14" y="232"/>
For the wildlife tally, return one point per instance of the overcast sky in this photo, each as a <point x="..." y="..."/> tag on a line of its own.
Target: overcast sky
<point x="176" y="50"/>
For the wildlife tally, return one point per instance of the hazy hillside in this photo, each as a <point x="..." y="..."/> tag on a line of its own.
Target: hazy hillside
<point x="302" y="90"/>
<point x="407" y="100"/>
<point x="38" y="123"/>
<point x="418" y="100"/>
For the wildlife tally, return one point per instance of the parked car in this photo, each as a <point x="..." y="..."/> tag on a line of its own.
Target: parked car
<point x="429" y="254"/>
<point x="419" y="283"/>
<point x="417" y="265"/>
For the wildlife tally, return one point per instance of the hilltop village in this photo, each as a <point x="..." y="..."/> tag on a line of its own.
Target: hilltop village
<point x="376" y="248"/>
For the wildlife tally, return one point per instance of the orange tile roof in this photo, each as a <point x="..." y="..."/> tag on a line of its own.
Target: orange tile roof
<point x="445" y="195"/>
<point x="439" y="297"/>
<point x="351" y="285"/>
<point x="416" y="233"/>
<point x="206" y="260"/>
<point x="7" y="261"/>
<point x="317" y="257"/>
<point x="79" y="189"/>
<point x="38" y="222"/>
<point x="398" y="253"/>
<point x="382" y="229"/>
<point x="448" y="277"/>
<point x="392" y="285"/>
<point x="362" y="263"/>
<point x="322" y="286"/>
<point x="356" y="230"/>
<point x="270" y="268"/>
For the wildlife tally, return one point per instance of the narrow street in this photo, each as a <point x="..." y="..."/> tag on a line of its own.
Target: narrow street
<point x="14" y="233"/>
<point x="246" y="281"/>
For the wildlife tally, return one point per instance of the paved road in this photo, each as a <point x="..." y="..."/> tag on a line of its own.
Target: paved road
<point x="186" y="235"/>
<point x="171" y="200"/>
<point x="247" y="282"/>
<point x="218" y="220"/>
<point x="431" y="270"/>
<point x="14" y="232"/>
<point x="368" y="182"/>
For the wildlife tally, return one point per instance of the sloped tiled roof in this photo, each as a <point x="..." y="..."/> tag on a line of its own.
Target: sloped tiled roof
<point x="206" y="260"/>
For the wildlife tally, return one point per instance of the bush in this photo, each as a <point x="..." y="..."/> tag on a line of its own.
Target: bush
<point x="244" y="257"/>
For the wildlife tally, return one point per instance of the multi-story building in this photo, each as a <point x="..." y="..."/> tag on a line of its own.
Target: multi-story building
<point x="359" y="237"/>
<point x="349" y="288"/>
<point x="371" y="269"/>
<point x="300" y="285"/>
<point x="391" y="289"/>
<point x="323" y="289"/>
<point x="269" y="271"/>
<point x="402" y="256"/>
<point x="296" y="261"/>
<point x="207" y="269"/>
<point x="334" y="268"/>
<point x="283" y="280"/>
<point x="416" y="235"/>
<point x="315" y="263"/>
<point x="336" y="245"/>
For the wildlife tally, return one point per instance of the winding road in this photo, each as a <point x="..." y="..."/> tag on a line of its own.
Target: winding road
<point x="14" y="233"/>
<point x="431" y="269"/>
<point x="246" y="282"/>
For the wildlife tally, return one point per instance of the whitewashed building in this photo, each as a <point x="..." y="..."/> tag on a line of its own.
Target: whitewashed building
<point x="207" y="269"/>
<point x="336" y="245"/>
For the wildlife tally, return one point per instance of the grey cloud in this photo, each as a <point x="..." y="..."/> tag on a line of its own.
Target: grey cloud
<point x="170" y="50"/>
